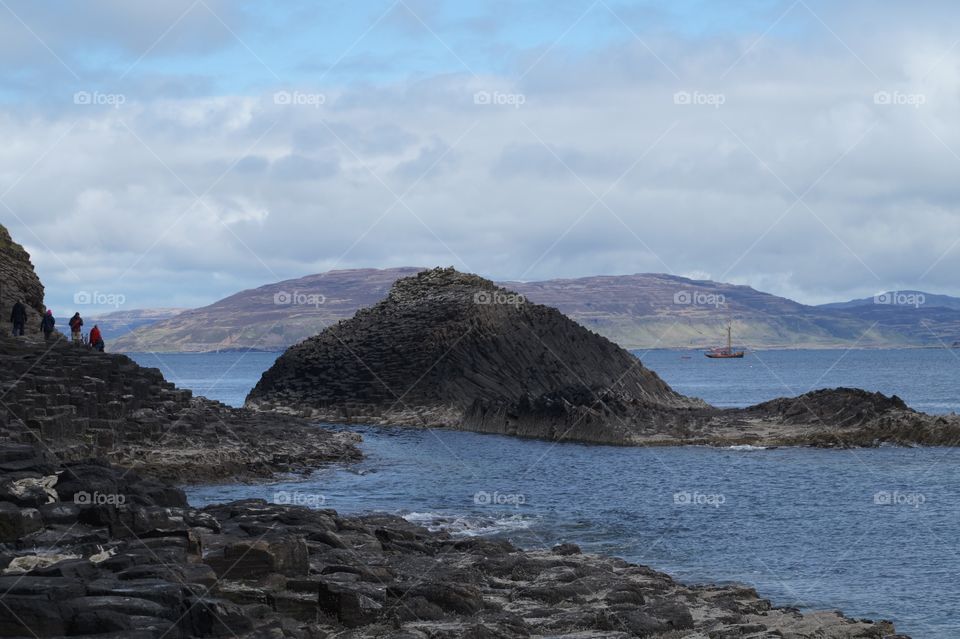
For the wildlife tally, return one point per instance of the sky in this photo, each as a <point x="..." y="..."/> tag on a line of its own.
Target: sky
<point x="170" y="154"/>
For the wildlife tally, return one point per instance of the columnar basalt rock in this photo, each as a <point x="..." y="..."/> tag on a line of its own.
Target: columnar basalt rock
<point x="77" y="403"/>
<point x="447" y="348"/>
<point x="80" y="403"/>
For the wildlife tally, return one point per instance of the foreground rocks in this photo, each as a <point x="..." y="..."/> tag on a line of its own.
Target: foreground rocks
<point x="78" y="403"/>
<point x="453" y="350"/>
<point x="88" y="549"/>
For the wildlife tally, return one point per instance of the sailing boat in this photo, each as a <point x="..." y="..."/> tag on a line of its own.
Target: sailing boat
<point x="725" y="352"/>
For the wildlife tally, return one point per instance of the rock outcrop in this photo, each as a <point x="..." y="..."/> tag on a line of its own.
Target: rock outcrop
<point x="446" y="348"/>
<point x="88" y="549"/>
<point x="454" y="350"/>
<point x="18" y="282"/>
<point x="79" y="403"/>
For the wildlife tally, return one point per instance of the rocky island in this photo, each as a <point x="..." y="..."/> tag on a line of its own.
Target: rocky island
<point x="455" y="350"/>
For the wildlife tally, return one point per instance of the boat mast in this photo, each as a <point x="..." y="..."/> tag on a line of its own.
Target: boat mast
<point x="729" y="340"/>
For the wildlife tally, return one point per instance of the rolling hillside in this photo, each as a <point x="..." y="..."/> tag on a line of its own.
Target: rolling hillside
<point x="118" y="323"/>
<point x="637" y="311"/>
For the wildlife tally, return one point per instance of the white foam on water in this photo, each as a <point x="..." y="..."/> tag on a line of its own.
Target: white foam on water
<point x="746" y="447"/>
<point x="469" y="525"/>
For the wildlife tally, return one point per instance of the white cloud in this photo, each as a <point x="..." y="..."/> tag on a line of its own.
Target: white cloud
<point x="505" y="189"/>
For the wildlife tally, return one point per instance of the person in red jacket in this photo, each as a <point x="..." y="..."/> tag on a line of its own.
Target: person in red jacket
<point x="96" y="339"/>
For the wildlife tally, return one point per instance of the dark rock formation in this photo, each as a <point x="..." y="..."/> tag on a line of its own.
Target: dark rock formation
<point x="76" y="403"/>
<point x="445" y="348"/>
<point x="79" y="403"/>
<point x="448" y="349"/>
<point x="18" y="282"/>
<point x="112" y="554"/>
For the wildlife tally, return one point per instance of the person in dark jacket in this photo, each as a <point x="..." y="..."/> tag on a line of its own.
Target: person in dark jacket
<point x="47" y="324"/>
<point x="76" y="326"/>
<point x="96" y="339"/>
<point x="18" y="318"/>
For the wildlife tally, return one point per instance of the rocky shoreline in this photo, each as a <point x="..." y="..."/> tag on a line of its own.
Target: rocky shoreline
<point x="78" y="403"/>
<point x="90" y="549"/>
<point x="97" y="540"/>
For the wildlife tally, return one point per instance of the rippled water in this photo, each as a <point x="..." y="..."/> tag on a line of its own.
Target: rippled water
<point x="925" y="378"/>
<point x="871" y="532"/>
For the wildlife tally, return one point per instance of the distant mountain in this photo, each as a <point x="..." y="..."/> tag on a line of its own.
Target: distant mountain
<point x="270" y="317"/>
<point x="119" y="323"/>
<point x="901" y="298"/>
<point x="636" y="311"/>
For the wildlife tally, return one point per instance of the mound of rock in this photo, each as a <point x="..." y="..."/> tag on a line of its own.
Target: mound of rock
<point x="19" y="283"/>
<point x="450" y="349"/>
<point x="88" y="549"/>
<point x="447" y="348"/>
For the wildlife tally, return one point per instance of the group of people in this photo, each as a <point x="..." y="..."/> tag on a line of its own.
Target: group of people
<point x="18" y="317"/>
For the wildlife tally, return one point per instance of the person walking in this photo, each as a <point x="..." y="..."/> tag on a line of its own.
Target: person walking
<point x="47" y="324"/>
<point x="96" y="339"/>
<point x="76" y="326"/>
<point x="18" y="317"/>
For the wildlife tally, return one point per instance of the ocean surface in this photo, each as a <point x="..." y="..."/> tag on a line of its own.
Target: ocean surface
<point x="875" y="533"/>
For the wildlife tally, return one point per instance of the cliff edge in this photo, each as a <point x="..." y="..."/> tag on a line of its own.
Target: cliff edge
<point x="19" y="282"/>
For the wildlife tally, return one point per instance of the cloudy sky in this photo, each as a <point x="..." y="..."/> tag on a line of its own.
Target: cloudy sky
<point x="175" y="152"/>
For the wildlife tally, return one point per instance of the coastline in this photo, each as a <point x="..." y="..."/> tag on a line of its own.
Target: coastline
<point x="839" y="418"/>
<point x="149" y="565"/>
<point x="130" y="415"/>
